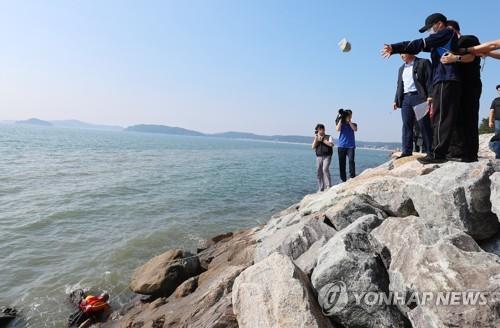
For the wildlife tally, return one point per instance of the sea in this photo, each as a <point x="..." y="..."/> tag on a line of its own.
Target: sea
<point x="84" y="208"/>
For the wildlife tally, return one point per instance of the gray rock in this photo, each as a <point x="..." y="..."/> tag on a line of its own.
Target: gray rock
<point x="484" y="149"/>
<point x="456" y="194"/>
<point x="349" y="258"/>
<point x="350" y="208"/>
<point x="317" y="202"/>
<point x="307" y="261"/>
<point x="495" y="194"/>
<point x="275" y="293"/>
<point x="439" y="259"/>
<point x="161" y="275"/>
<point x="388" y="192"/>
<point x="291" y="235"/>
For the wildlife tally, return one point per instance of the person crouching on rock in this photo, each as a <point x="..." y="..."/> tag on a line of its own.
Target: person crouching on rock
<point x="323" y="145"/>
<point x="91" y="309"/>
<point x="347" y="142"/>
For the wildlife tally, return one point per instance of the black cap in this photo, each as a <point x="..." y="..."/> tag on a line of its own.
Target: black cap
<point x="498" y="86"/>
<point x="454" y="24"/>
<point x="431" y="20"/>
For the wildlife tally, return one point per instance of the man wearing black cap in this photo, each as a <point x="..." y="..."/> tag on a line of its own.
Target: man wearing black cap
<point x="446" y="80"/>
<point x="465" y="143"/>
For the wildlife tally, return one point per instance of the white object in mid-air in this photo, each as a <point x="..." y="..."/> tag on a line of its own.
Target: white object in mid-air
<point x="345" y="45"/>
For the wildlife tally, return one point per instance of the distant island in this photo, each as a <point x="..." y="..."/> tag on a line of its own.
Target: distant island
<point x="152" y="128"/>
<point x="75" y="124"/>
<point x="34" y="121"/>
<point x="170" y="130"/>
<point x="72" y="124"/>
<point x="163" y="129"/>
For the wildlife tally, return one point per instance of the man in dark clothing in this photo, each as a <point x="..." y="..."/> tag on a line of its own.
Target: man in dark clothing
<point x="446" y="80"/>
<point x="465" y="143"/>
<point x="414" y="87"/>
<point x="494" y="120"/>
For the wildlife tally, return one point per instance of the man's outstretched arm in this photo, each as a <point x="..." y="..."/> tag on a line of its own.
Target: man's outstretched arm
<point x="485" y="47"/>
<point x="435" y="40"/>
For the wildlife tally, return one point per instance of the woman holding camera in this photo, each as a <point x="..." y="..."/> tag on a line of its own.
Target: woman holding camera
<point x="346" y="143"/>
<point x="323" y="146"/>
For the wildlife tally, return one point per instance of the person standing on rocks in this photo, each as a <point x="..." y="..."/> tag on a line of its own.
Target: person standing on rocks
<point x="414" y="87"/>
<point x="494" y="119"/>
<point x="446" y="80"/>
<point x="347" y="143"/>
<point x="465" y="142"/>
<point x="323" y="145"/>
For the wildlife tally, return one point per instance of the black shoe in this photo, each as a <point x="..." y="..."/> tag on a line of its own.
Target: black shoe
<point x="403" y="156"/>
<point x="431" y="159"/>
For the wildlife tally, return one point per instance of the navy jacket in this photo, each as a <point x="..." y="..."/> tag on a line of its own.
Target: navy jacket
<point x="422" y="76"/>
<point x="437" y="44"/>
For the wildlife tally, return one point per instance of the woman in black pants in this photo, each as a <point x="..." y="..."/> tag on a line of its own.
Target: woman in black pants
<point x="346" y="143"/>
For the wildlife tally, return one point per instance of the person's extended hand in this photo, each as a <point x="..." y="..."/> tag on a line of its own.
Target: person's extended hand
<point x="394" y="106"/>
<point x="491" y="125"/>
<point x="386" y="51"/>
<point x="448" y="58"/>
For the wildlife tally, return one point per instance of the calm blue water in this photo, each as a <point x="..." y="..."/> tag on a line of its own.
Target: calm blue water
<point x="84" y="208"/>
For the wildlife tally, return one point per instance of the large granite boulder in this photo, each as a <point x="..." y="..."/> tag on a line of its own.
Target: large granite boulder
<point x="307" y="261"/>
<point x="161" y="275"/>
<point x="389" y="192"/>
<point x="425" y="259"/>
<point x="320" y="201"/>
<point x="456" y="194"/>
<point x="350" y="208"/>
<point x="290" y="235"/>
<point x="276" y="293"/>
<point x="349" y="259"/>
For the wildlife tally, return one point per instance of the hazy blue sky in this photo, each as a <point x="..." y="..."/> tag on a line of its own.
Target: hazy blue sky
<point x="271" y="67"/>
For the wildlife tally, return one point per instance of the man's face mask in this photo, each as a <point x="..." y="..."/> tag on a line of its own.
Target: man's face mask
<point x="432" y="30"/>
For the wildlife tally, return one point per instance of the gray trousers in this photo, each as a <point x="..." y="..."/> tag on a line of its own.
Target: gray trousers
<point x="323" y="172"/>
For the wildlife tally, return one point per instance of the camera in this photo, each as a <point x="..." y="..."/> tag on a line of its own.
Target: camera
<point x="343" y="115"/>
<point x="318" y="127"/>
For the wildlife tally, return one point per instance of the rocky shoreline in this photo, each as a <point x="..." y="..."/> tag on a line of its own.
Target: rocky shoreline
<point x="400" y="227"/>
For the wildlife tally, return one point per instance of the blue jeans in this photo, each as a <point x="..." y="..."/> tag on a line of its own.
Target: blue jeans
<point x="497" y="126"/>
<point x="408" y="116"/>
<point x="343" y="153"/>
<point x="495" y="147"/>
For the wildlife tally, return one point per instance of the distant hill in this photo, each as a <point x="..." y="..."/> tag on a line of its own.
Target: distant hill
<point x="240" y="135"/>
<point x="34" y="121"/>
<point x="152" y="128"/>
<point x="75" y="124"/>
<point x="250" y="136"/>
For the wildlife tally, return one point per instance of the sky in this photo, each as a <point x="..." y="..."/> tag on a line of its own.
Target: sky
<point x="268" y="67"/>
